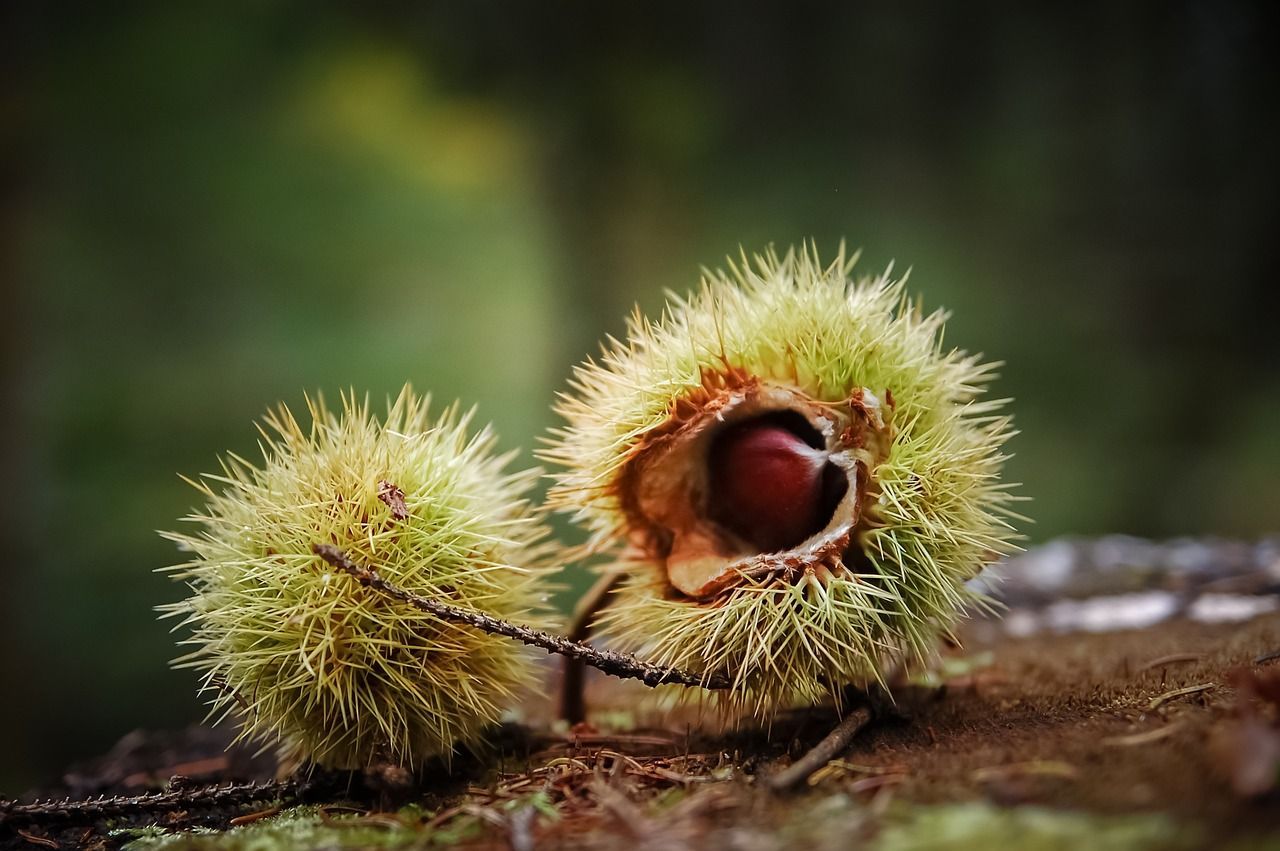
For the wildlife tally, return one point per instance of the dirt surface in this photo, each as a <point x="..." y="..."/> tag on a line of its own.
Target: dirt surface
<point x="1113" y="723"/>
<point x="1076" y="720"/>
<point x="1083" y="704"/>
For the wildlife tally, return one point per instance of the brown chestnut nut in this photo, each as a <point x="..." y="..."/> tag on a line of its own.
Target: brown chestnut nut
<point x="769" y="487"/>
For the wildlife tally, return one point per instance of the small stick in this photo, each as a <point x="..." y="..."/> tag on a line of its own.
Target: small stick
<point x="1157" y="702"/>
<point x="622" y="665"/>
<point x="250" y="818"/>
<point x="573" y="706"/>
<point x="96" y="809"/>
<point x="836" y="742"/>
<point x="43" y="841"/>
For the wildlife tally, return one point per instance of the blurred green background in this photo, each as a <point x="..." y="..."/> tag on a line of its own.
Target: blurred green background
<point x="206" y="210"/>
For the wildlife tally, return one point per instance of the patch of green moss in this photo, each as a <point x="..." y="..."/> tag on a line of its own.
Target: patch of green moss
<point x="307" y="827"/>
<point x="830" y="822"/>
<point x="300" y="827"/>
<point x="839" y="821"/>
<point x="981" y="825"/>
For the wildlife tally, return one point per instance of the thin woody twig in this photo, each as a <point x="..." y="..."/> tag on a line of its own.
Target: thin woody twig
<point x="823" y="752"/>
<point x="1160" y="700"/>
<point x="622" y="665"/>
<point x="183" y="798"/>
<point x="572" y="704"/>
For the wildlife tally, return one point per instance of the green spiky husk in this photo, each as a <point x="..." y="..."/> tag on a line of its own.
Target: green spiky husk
<point x="940" y="513"/>
<point x="302" y="654"/>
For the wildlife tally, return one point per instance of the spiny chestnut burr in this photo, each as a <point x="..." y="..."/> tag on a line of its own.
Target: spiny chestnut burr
<point x="304" y="655"/>
<point x="769" y="487"/>
<point x="795" y="477"/>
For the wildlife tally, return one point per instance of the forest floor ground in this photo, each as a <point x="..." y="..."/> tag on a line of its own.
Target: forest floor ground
<point x="1132" y="739"/>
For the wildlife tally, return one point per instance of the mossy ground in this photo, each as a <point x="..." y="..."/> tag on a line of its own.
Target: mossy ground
<point x="835" y="821"/>
<point x="1045" y="742"/>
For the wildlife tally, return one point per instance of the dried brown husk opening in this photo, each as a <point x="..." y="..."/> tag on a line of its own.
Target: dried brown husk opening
<point x="664" y="487"/>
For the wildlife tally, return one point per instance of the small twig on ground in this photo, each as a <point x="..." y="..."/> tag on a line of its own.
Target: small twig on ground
<point x="628" y="741"/>
<point x="622" y="665"/>
<point x="95" y="809"/>
<point x="1157" y="702"/>
<point x="573" y="707"/>
<point x="836" y="742"/>
<point x="630" y="817"/>
<point x="1267" y="657"/>
<point x="250" y="818"/>
<point x="42" y="841"/>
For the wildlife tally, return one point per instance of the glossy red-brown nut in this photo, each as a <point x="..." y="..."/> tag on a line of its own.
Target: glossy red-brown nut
<point x="768" y="486"/>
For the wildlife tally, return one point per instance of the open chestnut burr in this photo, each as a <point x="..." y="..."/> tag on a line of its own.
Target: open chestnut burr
<point x="792" y="479"/>
<point x="754" y="478"/>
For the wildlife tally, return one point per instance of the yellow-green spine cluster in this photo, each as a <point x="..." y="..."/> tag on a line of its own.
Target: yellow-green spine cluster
<point x="936" y="510"/>
<point x="303" y="655"/>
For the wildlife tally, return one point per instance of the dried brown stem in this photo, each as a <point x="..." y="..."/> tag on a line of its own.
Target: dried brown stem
<point x="622" y="665"/>
<point x="573" y="707"/>
<point x="186" y="798"/>
<point x="823" y="752"/>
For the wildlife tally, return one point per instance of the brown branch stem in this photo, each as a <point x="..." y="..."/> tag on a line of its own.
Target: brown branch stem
<point x="96" y="809"/>
<point x="835" y="743"/>
<point x="622" y="665"/>
<point x="573" y="706"/>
